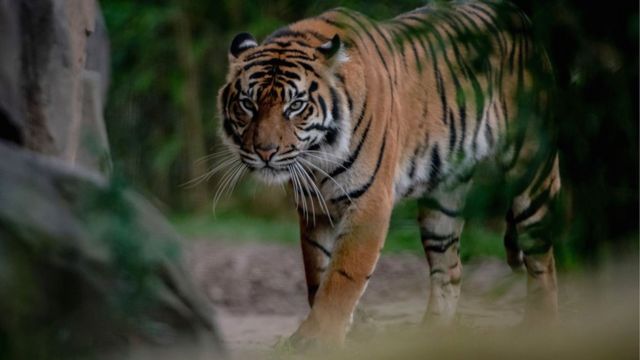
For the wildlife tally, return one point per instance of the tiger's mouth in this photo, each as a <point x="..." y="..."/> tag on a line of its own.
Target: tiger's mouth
<point x="272" y="175"/>
<point x="273" y="170"/>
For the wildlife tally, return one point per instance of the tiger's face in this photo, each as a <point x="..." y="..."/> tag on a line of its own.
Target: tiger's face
<point x="278" y="108"/>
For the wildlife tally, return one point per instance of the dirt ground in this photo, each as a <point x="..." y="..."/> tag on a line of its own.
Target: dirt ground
<point x="260" y="296"/>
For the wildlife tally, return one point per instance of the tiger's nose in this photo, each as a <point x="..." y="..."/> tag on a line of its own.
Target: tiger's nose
<point x="266" y="152"/>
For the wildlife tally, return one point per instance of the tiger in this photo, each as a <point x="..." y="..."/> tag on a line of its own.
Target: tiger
<point x="357" y="114"/>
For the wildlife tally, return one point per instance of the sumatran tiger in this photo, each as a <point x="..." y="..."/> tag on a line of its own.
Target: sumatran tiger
<point x="358" y="114"/>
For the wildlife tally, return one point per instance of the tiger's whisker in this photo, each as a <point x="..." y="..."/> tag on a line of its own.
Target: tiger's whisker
<point x="207" y="175"/>
<point x="321" y="153"/>
<point x="307" y="190"/>
<point x="302" y="201"/>
<point x="326" y="160"/>
<point x="320" y="196"/>
<point x="294" y="185"/>
<point x="235" y="180"/>
<point x="218" y="154"/>
<point x="224" y="183"/>
<point x="330" y="178"/>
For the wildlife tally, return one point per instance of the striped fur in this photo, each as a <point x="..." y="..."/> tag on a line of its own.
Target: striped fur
<point x="389" y="110"/>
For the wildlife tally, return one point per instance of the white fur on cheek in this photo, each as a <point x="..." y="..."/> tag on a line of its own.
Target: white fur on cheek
<point x="342" y="56"/>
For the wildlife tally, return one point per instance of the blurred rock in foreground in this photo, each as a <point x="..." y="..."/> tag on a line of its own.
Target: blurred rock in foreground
<point x="88" y="268"/>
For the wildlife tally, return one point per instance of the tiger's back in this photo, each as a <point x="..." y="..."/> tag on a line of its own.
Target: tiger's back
<point x="448" y="81"/>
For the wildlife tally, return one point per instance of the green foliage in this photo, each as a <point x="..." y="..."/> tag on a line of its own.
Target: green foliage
<point x="404" y="234"/>
<point x="592" y="46"/>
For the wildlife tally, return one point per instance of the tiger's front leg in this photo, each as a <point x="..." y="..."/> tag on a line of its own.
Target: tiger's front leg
<point x="352" y="261"/>
<point x="317" y="238"/>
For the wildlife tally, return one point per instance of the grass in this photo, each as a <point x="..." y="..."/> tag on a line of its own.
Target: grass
<point x="477" y="240"/>
<point x="237" y="227"/>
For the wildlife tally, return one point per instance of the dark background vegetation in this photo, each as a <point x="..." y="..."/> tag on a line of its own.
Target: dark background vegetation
<point x="169" y="57"/>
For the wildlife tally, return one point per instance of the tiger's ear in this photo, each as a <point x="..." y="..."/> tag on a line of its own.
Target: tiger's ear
<point x="334" y="51"/>
<point x="331" y="47"/>
<point x="241" y="43"/>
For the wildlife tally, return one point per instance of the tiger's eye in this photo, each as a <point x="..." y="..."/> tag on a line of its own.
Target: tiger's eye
<point x="247" y="104"/>
<point x="296" y="105"/>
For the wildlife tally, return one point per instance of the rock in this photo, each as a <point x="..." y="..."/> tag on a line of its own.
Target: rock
<point x="11" y="105"/>
<point x="88" y="267"/>
<point x="54" y="58"/>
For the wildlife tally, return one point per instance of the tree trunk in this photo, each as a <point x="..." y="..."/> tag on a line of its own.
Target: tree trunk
<point x="192" y="132"/>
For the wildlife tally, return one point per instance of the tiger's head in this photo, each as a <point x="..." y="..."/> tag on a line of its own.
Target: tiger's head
<point x="281" y="106"/>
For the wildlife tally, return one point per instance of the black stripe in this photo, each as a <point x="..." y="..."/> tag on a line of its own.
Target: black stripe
<point x="313" y="87"/>
<point x="285" y="158"/>
<point x="488" y="23"/>
<point x="436" y="271"/>
<point x="408" y="33"/>
<point x="544" y="172"/>
<point x="441" y="247"/>
<point x="289" y="151"/>
<point x="540" y="247"/>
<point x="412" y="166"/>
<point x="442" y="93"/>
<point x="290" y="75"/>
<point x="346" y="165"/>
<point x="228" y="129"/>
<point x="535" y="205"/>
<point x="489" y="133"/>
<point x="462" y="111"/>
<point x="426" y="234"/>
<point x="336" y="112"/>
<point x="333" y="23"/>
<point x="345" y="274"/>
<point x="434" y="173"/>
<point x="273" y="62"/>
<point x="437" y="73"/>
<point x="309" y="68"/>
<point x="453" y="136"/>
<point x="323" y="108"/>
<point x="318" y="127"/>
<point x="371" y="38"/>
<point x="361" y="117"/>
<point x="433" y="204"/>
<point x="258" y="75"/>
<point x="284" y="32"/>
<point x="225" y="95"/>
<point x="419" y="37"/>
<point x="469" y="74"/>
<point x="331" y="135"/>
<point x="318" y="246"/>
<point x="503" y="105"/>
<point x="363" y="189"/>
<point x="270" y="52"/>
<point x="477" y="89"/>
<point x="317" y="35"/>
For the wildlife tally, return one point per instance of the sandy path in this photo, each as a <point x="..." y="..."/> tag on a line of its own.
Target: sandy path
<point x="259" y="292"/>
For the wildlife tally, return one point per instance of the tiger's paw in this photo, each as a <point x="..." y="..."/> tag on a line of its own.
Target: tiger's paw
<point x="303" y="344"/>
<point x="311" y="336"/>
<point x="295" y="345"/>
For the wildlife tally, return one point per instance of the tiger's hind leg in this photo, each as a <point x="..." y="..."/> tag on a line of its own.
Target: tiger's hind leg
<point x="528" y="240"/>
<point x="440" y="228"/>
